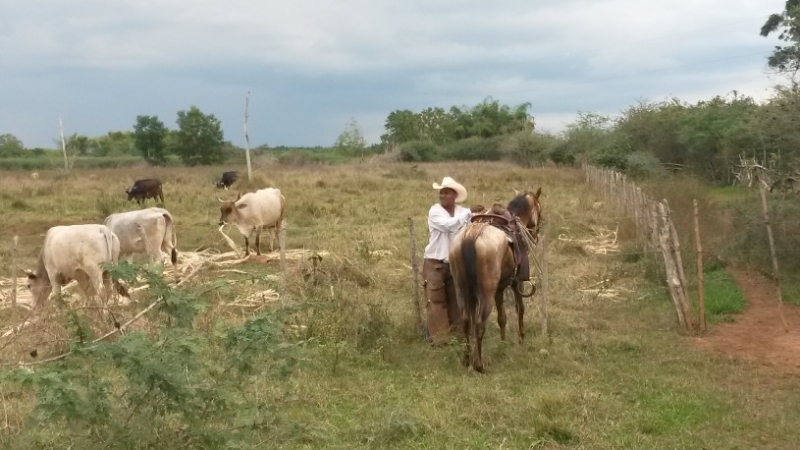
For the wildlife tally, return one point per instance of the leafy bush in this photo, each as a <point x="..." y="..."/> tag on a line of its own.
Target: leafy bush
<point x="419" y="151"/>
<point x="473" y="149"/>
<point x="174" y="388"/>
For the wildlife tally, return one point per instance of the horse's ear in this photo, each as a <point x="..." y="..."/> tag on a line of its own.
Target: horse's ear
<point x="538" y="192"/>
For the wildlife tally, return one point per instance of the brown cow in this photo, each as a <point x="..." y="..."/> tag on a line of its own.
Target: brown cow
<point x="144" y="189"/>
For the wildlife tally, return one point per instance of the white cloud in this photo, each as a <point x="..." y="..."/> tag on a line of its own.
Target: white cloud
<point x="561" y="56"/>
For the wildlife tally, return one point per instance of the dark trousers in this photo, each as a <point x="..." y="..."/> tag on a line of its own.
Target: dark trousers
<point x="443" y="314"/>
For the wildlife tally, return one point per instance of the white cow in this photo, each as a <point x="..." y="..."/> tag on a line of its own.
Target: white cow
<point x="147" y="231"/>
<point x="253" y="212"/>
<point x="75" y="252"/>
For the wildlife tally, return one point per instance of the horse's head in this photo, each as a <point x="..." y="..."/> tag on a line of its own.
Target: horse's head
<point x="527" y="207"/>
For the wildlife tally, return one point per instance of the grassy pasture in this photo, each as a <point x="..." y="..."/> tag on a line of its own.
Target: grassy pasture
<point x="614" y="373"/>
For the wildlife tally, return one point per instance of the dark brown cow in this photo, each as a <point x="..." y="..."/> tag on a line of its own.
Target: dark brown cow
<point x="144" y="189"/>
<point x="228" y="178"/>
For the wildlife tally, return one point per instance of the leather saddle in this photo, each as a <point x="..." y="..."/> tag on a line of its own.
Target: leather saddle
<point x="500" y="218"/>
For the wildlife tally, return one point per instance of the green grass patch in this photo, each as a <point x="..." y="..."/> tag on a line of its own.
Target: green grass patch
<point x="723" y="297"/>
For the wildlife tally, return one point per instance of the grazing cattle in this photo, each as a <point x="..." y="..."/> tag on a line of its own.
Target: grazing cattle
<point x="75" y="252"/>
<point x="35" y="175"/>
<point x="485" y="260"/>
<point x="228" y="178"/>
<point x="144" y="189"/>
<point x="253" y="212"/>
<point x="148" y="231"/>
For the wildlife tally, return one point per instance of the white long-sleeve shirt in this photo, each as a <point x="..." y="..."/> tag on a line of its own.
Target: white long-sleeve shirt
<point x="443" y="228"/>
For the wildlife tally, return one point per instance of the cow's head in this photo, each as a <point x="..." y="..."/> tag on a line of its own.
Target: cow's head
<point x="39" y="285"/>
<point x="229" y="210"/>
<point x="129" y="191"/>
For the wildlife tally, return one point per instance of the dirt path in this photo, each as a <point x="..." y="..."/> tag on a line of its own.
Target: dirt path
<point x="758" y="333"/>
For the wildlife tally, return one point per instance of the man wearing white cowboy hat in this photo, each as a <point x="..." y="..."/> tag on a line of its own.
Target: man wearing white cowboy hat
<point x="444" y="220"/>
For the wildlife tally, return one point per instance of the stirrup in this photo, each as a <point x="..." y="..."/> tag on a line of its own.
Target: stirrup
<point x="523" y="294"/>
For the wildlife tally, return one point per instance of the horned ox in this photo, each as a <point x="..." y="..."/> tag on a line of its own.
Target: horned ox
<point x="147" y="231"/>
<point x="75" y="252"/>
<point x="252" y="212"/>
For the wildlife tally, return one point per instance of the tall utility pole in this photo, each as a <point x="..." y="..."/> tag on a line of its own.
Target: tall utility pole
<point x="247" y="138"/>
<point x="63" y="143"/>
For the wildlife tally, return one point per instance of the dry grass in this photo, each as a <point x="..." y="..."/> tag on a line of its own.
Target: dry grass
<point x="613" y="374"/>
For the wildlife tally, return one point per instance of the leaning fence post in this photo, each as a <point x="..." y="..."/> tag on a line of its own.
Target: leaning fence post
<point x="777" y="273"/>
<point x="676" y="252"/>
<point x="414" y="271"/>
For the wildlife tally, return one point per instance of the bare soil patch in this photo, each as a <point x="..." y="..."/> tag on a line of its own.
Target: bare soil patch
<point x="757" y="334"/>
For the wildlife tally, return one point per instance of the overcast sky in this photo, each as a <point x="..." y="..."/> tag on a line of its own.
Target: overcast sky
<point x="310" y="66"/>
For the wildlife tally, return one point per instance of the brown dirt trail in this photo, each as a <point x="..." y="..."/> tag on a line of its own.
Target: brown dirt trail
<point x="758" y="334"/>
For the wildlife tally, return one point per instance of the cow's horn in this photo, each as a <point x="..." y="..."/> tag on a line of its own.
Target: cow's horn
<point x="220" y="200"/>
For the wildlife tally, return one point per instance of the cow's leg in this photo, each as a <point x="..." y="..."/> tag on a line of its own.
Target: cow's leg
<point x="107" y="282"/>
<point x="246" y="246"/>
<point x="258" y="240"/>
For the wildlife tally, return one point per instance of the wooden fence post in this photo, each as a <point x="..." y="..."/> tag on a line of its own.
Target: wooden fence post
<point x="14" y="271"/>
<point x="777" y="273"/>
<point x="282" y="246"/>
<point x="543" y="303"/>
<point x="414" y="271"/>
<point x="701" y="306"/>
<point x="673" y="283"/>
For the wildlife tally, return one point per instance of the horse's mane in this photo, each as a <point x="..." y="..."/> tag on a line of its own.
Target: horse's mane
<point x="518" y="204"/>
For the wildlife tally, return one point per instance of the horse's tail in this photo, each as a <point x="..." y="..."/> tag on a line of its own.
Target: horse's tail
<point x="469" y="260"/>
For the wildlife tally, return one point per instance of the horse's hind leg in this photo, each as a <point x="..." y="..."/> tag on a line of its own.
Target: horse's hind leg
<point x="465" y="360"/>
<point x="501" y="313"/>
<point x="482" y="314"/>
<point x="480" y="328"/>
<point x="520" y="304"/>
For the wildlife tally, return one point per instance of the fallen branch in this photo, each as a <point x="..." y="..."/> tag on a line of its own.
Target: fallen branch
<point x="121" y="328"/>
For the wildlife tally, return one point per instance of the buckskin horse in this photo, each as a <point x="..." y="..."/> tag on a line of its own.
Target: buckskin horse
<point x="485" y="258"/>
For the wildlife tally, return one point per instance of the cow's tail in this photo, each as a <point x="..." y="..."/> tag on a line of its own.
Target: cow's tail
<point x="173" y="255"/>
<point x="111" y="238"/>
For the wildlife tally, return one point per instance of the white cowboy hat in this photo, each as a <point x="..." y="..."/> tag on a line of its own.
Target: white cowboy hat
<point x="450" y="183"/>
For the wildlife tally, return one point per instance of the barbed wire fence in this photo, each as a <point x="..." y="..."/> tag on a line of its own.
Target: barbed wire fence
<point x="654" y="228"/>
<point x="656" y="231"/>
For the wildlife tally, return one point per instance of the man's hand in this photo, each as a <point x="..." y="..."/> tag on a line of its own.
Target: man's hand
<point x="477" y="209"/>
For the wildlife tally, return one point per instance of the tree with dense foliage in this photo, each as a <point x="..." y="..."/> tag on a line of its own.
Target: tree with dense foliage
<point x="488" y="119"/>
<point x="149" y="136"/>
<point x="351" y="141"/>
<point x="115" y="143"/>
<point x="10" y="146"/>
<point x="785" y="59"/>
<point x="199" y="139"/>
